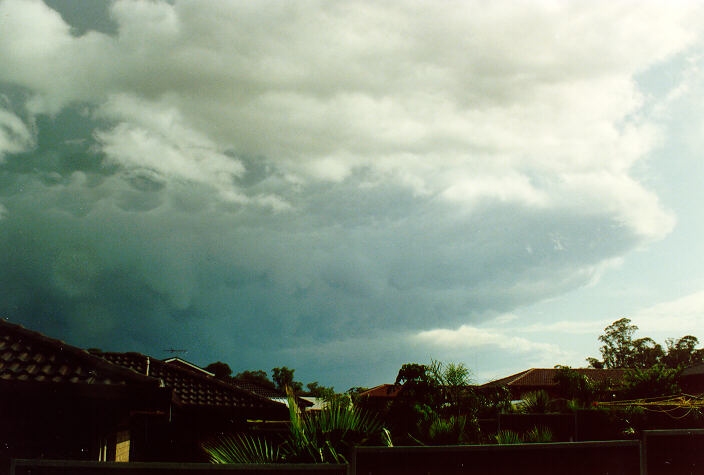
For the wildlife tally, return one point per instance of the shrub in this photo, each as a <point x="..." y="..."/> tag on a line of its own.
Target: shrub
<point x="539" y="434"/>
<point x="536" y="402"/>
<point x="508" y="437"/>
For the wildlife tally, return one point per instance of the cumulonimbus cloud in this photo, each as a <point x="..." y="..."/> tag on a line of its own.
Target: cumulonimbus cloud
<point x="320" y="169"/>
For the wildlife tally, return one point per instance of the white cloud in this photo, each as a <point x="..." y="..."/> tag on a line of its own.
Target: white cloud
<point x="415" y="160"/>
<point x="676" y="318"/>
<point x="436" y="97"/>
<point x="154" y="137"/>
<point x="467" y="336"/>
<point x="592" y="327"/>
<point x="15" y="135"/>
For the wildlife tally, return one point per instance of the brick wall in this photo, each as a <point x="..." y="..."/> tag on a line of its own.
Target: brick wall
<point x="122" y="446"/>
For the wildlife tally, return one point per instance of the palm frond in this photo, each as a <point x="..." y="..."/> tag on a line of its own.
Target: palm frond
<point x="241" y="448"/>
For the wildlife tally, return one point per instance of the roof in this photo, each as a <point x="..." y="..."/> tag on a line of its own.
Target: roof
<point x="259" y="389"/>
<point x="268" y="392"/>
<point x="382" y="391"/>
<point x="29" y="356"/>
<point x="546" y="377"/>
<point x="695" y="370"/>
<point x="316" y="403"/>
<point x="191" y="388"/>
<point x="187" y="365"/>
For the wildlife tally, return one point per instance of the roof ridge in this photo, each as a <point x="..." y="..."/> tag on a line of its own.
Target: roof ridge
<point x="238" y="381"/>
<point x="176" y="359"/>
<point x="62" y="346"/>
<point x="521" y="375"/>
<point x="193" y="374"/>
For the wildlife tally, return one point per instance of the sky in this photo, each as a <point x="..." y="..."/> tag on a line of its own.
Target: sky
<point x="344" y="187"/>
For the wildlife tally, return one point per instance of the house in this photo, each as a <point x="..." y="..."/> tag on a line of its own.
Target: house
<point x="378" y="398"/>
<point x="59" y="401"/>
<point x="691" y="380"/>
<point x="202" y="406"/>
<point x="384" y="392"/>
<point x="175" y="361"/>
<point x="536" y="379"/>
<point x="271" y="393"/>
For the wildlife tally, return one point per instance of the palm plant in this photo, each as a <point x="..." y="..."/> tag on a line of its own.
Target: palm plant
<point x="319" y="438"/>
<point x="242" y="448"/>
<point x="442" y="431"/>
<point x="536" y="402"/>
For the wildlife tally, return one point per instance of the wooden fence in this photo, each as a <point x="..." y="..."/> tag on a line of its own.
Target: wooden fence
<point x="573" y="458"/>
<point x="659" y="452"/>
<point x="75" y="467"/>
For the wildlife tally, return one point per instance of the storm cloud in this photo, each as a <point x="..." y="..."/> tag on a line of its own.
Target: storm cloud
<point x="255" y="180"/>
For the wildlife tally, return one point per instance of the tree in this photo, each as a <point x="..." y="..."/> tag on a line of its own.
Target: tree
<point x="453" y="379"/>
<point x="220" y="370"/>
<point x="316" y="390"/>
<point x="621" y="350"/>
<point x="645" y="353"/>
<point x="258" y="377"/>
<point x="618" y="343"/>
<point x="434" y="404"/>
<point x="682" y="353"/>
<point x="354" y="393"/>
<point x="575" y="386"/>
<point x="651" y="382"/>
<point x="283" y="378"/>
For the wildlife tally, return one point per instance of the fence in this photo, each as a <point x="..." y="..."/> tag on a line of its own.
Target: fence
<point x="74" y="467"/>
<point x="574" y="458"/>
<point x="665" y="452"/>
<point x="659" y="452"/>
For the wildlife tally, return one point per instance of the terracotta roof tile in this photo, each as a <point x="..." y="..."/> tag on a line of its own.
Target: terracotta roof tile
<point x="546" y="377"/>
<point x="191" y="388"/>
<point x="28" y="356"/>
<point x="383" y="390"/>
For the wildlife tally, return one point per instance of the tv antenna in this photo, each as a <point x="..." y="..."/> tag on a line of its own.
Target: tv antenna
<point x="174" y="351"/>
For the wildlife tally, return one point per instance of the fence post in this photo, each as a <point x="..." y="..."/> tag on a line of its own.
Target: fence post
<point x="352" y="462"/>
<point x="643" y="443"/>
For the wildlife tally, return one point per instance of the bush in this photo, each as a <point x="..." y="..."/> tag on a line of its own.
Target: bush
<point x="539" y="434"/>
<point x="536" y="402"/>
<point x="508" y="437"/>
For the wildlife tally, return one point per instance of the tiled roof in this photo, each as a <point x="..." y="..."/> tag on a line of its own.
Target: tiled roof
<point x="187" y="365"/>
<point x="269" y="393"/>
<point x="28" y="356"/>
<point x="546" y="377"/>
<point x="383" y="390"/>
<point x="191" y="388"/>
<point x="258" y="389"/>
<point x="695" y="370"/>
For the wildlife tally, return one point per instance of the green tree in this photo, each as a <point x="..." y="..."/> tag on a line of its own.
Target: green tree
<point x="575" y="386"/>
<point x="220" y="370"/>
<point x="651" y="382"/>
<point x="621" y="350"/>
<point x="646" y="353"/>
<point x="682" y="353"/>
<point x="434" y="404"/>
<point x="259" y="377"/>
<point x="283" y="378"/>
<point x="454" y="379"/>
<point x="354" y="393"/>
<point x="316" y="390"/>
<point x="617" y="342"/>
